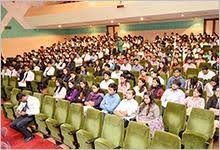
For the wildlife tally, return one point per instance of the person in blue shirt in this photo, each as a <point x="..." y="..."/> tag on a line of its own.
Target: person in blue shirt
<point x="137" y="66"/>
<point x="111" y="100"/>
<point x="176" y="76"/>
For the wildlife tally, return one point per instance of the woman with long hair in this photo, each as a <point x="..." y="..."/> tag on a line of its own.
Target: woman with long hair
<point x="72" y="91"/>
<point x="60" y="91"/>
<point x="156" y="89"/>
<point x="140" y="89"/>
<point x="149" y="113"/>
<point x="83" y="91"/>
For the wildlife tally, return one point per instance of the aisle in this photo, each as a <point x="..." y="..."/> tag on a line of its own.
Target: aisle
<point x="16" y="139"/>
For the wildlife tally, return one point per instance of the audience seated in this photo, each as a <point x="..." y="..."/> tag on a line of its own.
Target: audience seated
<point x="60" y="91"/>
<point x="105" y="83"/>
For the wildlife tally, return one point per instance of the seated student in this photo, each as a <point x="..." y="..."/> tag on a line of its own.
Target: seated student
<point x="110" y="100"/>
<point x="104" y="84"/>
<point x="95" y="97"/>
<point x="143" y="75"/>
<point x="206" y="74"/>
<point x="140" y="89"/>
<point x="176" y="76"/>
<point x="74" y="78"/>
<point x="126" y="66"/>
<point x="11" y="72"/>
<point x="189" y="64"/>
<point x="192" y="83"/>
<point x="106" y="68"/>
<point x="211" y="86"/>
<point x="83" y="92"/>
<point x="137" y="66"/>
<point x="36" y="67"/>
<point x="65" y="75"/>
<point x="195" y="101"/>
<point x="123" y="85"/>
<point x="48" y="72"/>
<point x="43" y="89"/>
<point x="83" y="70"/>
<point x="127" y="107"/>
<point x="60" y="65"/>
<point x="149" y="113"/>
<point x="97" y="71"/>
<point x="28" y="107"/>
<point x="155" y="74"/>
<point x="71" y="92"/>
<point x="156" y="89"/>
<point x="213" y="105"/>
<point x="27" y="78"/>
<point x="174" y="94"/>
<point x="60" y="91"/>
<point x="117" y="73"/>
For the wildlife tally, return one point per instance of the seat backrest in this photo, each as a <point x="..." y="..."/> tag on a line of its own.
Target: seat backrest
<point x="48" y="106"/>
<point x="165" y="140"/>
<point x="174" y="117"/>
<point x="61" y="110"/>
<point x="138" y="99"/>
<point x="93" y="122"/>
<point x="75" y="116"/>
<point x="5" y="81"/>
<point x="137" y="136"/>
<point x="40" y="96"/>
<point x="13" y="98"/>
<point x="38" y="75"/>
<point x="27" y="92"/>
<point x="201" y="121"/>
<point x="13" y="81"/>
<point x="113" y="129"/>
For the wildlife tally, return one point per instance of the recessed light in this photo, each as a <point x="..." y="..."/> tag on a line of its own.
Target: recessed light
<point x="142" y="18"/>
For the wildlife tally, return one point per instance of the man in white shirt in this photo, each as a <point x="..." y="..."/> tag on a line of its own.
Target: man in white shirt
<point x="27" y="78"/>
<point x="78" y="62"/>
<point x="126" y="66"/>
<point x="174" y="94"/>
<point x="48" y="72"/>
<point x="28" y="107"/>
<point x="12" y="72"/>
<point x="117" y="73"/>
<point x="206" y="74"/>
<point x="104" y="84"/>
<point x="127" y="107"/>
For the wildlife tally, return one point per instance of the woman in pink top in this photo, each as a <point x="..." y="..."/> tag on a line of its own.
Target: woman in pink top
<point x="195" y="101"/>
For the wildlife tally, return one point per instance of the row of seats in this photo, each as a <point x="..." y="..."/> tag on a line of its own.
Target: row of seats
<point x="66" y="123"/>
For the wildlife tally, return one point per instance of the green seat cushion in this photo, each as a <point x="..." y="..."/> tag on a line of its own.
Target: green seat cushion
<point x="102" y="143"/>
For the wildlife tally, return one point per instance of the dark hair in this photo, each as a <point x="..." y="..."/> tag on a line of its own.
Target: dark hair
<point x="177" y="69"/>
<point x="177" y="82"/>
<point x="114" y="86"/>
<point x="193" y="81"/>
<point x="142" y="88"/>
<point x="61" y="84"/>
<point x="133" y="92"/>
<point x="108" y="73"/>
<point x="117" y="67"/>
<point x="205" y="68"/>
<point x="19" y="96"/>
<point x="107" y="65"/>
<point x="216" y="80"/>
<point x="158" y="80"/>
<point x="200" y="90"/>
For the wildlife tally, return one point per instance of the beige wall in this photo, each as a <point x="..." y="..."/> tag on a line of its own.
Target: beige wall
<point x="150" y="34"/>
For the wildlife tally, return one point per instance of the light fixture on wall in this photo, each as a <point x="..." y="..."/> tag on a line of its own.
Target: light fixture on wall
<point x="119" y="23"/>
<point x="182" y="15"/>
<point x="141" y="18"/>
<point x="112" y="21"/>
<point x="59" y="26"/>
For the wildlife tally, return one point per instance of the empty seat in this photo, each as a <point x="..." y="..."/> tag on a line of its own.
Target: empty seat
<point x="27" y="92"/>
<point x="91" y="130"/>
<point x="12" y="83"/>
<point x="60" y="115"/>
<point x="47" y="110"/>
<point x="38" y="76"/>
<point x="165" y="140"/>
<point x="138" y="99"/>
<point x="9" y="106"/>
<point x="137" y="136"/>
<point x="199" y="129"/>
<point x="174" y="117"/>
<point x="51" y="87"/>
<point x="74" y="122"/>
<point x="40" y="97"/>
<point x="192" y="72"/>
<point x="112" y="133"/>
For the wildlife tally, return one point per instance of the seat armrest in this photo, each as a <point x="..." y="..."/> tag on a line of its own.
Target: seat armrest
<point x="73" y="132"/>
<point x="90" y="141"/>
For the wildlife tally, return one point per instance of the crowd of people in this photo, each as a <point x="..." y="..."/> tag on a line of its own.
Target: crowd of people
<point x="158" y="71"/>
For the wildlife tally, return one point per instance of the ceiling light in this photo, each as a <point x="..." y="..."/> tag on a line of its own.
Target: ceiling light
<point x="92" y="3"/>
<point x="142" y="18"/>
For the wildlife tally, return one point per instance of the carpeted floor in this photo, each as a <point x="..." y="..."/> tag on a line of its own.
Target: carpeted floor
<point x="16" y="140"/>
